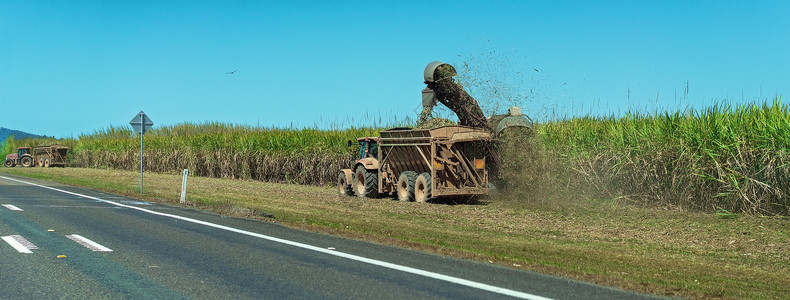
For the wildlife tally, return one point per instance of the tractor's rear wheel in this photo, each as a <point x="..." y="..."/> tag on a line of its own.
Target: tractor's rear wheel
<point x="8" y="163"/>
<point x="406" y="182"/>
<point x="27" y="161"/>
<point x="343" y="186"/>
<point x="422" y="188"/>
<point x="366" y="183"/>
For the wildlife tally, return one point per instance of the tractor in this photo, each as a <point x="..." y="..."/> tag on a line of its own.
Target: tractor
<point x="367" y="157"/>
<point x="22" y="157"/>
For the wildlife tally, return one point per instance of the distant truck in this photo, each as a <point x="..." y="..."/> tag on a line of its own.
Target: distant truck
<point x="42" y="156"/>
<point x="419" y="164"/>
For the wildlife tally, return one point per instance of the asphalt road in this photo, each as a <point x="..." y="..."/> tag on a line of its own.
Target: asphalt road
<point x="66" y="242"/>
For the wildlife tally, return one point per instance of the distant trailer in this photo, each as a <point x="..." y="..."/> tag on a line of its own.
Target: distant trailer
<point x="50" y="156"/>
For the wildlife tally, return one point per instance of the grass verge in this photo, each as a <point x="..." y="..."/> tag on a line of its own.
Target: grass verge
<point x="665" y="252"/>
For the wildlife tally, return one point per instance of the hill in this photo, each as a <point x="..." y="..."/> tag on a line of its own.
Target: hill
<point x="5" y="133"/>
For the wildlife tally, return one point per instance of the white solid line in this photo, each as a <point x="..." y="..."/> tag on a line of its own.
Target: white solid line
<point x="94" y="246"/>
<point x="16" y="244"/>
<point x="456" y="280"/>
<point x="12" y="207"/>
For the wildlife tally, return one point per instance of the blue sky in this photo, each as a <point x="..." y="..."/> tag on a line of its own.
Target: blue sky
<point x="71" y="67"/>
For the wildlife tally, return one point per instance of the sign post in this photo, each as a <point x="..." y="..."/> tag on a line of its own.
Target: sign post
<point x="141" y="123"/>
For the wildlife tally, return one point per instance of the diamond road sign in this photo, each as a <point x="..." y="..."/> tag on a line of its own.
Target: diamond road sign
<point x="141" y="123"/>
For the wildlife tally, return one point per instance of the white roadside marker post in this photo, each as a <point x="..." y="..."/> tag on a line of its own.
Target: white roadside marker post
<point x="184" y="186"/>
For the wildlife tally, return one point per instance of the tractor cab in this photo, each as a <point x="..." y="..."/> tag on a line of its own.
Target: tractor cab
<point x="21" y="151"/>
<point x="368" y="147"/>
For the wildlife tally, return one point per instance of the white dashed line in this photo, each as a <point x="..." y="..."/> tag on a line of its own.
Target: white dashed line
<point x="93" y="246"/>
<point x="20" y="243"/>
<point x="12" y="207"/>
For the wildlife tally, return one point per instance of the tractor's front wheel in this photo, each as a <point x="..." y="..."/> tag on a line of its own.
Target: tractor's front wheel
<point x="366" y="183"/>
<point x="8" y="163"/>
<point x="27" y="161"/>
<point x="343" y="186"/>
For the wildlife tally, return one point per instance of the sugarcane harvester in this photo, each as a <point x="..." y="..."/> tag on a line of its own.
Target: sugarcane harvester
<point x="424" y="164"/>
<point x="442" y="87"/>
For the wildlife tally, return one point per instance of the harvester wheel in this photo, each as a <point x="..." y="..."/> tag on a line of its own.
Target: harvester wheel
<point x="46" y="163"/>
<point x="406" y="182"/>
<point x="366" y="183"/>
<point x="27" y="161"/>
<point x="343" y="187"/>
<point x="40" y="162"/>
<point x="8" y="163"/>
<point x="422" y="188"/>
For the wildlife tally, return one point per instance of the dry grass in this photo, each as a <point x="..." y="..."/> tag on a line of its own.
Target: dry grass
<point x="668" y="252"/>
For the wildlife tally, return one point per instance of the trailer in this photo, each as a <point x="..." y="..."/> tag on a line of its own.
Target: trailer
<point x="50" y="156"/>
<point x="420" y="164"/>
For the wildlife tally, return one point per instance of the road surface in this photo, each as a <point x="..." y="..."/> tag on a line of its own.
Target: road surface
<point x="66" y="242"/>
